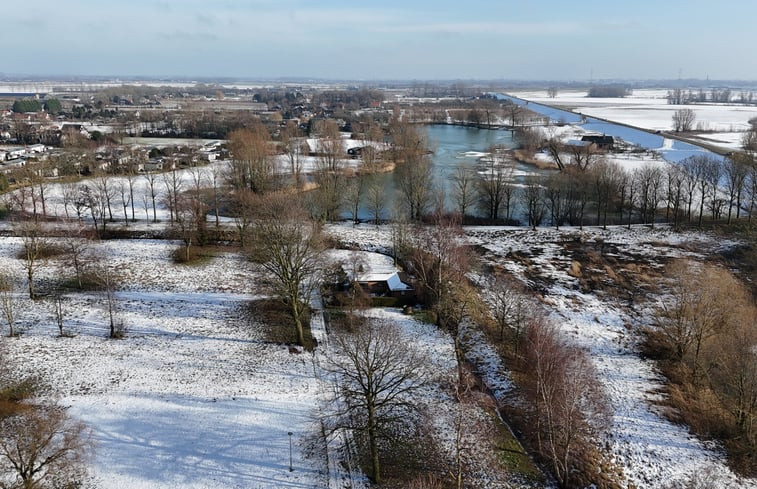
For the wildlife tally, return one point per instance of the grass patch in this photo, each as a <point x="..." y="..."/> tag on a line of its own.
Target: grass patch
<point x="192" y="256"/>
<point x="88" y="281"/>
<point x="46" y="250"/>
<point x="392" y="301"/>
<point x="424" y="316"/>
<point x="271" y="317"/>
<point x="199" y="255"/>
<point x="514" y="458"/>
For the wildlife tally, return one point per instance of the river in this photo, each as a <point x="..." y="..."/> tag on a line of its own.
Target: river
<point x="671" y="149"/>
<point x="451" y="146"/>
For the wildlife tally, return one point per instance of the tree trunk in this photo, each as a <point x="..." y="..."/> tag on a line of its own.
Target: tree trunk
<point x="372" y="441"/>
<point x="30" y="274"/>
<point x="296" y="313"/>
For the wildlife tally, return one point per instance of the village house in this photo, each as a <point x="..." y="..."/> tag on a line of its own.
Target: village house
<point x="376" y="274"/>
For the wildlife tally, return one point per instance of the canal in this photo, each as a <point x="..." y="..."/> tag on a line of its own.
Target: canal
<point x="671" y="149"/>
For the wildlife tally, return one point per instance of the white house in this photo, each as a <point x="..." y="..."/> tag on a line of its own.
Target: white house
<point x="375" y="272"/>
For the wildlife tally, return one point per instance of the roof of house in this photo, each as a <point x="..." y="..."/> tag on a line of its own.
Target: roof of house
<point x="374" y="267"/>
<point x="599" y="139"/>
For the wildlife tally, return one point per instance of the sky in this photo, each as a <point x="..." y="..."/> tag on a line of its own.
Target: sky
<point x="381" y="40"/>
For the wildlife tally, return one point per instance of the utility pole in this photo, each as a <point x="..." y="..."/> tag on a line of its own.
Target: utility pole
<point x="291" y="469"/>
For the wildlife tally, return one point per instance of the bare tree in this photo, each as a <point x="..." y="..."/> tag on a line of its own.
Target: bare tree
<point x="291" y="143"/>
<point x="190" y="219"/>
<point x="90" y="198"/>
<point x="676" y="184"/>
<point x="463" y="189"/>
<point x="650" y="181"/>
<point x="529" y="139"/>
<point x="379" y="373"/>
<point x="59" y="311"/>
<point x="555" y="196"/>
<point x="8" y="301"/>
<point x="734" y="369"/>
<point x="355" y="194"/>
<point x="751" y="189"/>
<point x="736" y="171"/>
<point x="41" y="447"/>
<point x="330" y="146"/>
<point x="440" y="261"/>
<point x="493" y="182"/>
<point x="174" y="186"/>
<point x="331" y="194"/>
<point x="253" y="165"/>
<point x="216" y="173"/>
<point x="289" y="247"/>
<point x="413" y="173"/>
<point x="76" y="245"/>
<point x="375" y="198"/>
<point x="569" y="408"/>
<point x="555" y="148"/>
<point x="509" y="306"/>
<point x="683" y="120"/>
<point x="533" y="201"/>
<point x="583" y="156"/>
<point x="34" y="243"/>
<point x="79" y="200"/>
<point x="123" y="189"/>
<point x="152" y="179"/>
<point x="106" y="193"/>
<point x="243" y="204"/>
<point x="108" y="283"/>
<point x="749" y="141"/>
<point x="514" y="111"/>
<point x="69" y="190"/>
<point x="711" y="173"/>
<point x="693" y="313"/>
<point x="131" y="171"/>
<point x="40" y="186"/>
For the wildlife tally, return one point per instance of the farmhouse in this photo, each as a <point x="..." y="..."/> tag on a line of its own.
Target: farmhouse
<point x="601" y="141"/>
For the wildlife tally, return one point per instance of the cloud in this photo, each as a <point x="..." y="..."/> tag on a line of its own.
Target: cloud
<point x="497" y="28"/>
<point x="187" y="36"/>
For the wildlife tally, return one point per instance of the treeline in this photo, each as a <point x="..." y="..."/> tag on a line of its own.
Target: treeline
<point x="679" y="96"/>
<point x="609" y="91"/>
<point x="592" y="191"/>
<point x="51" y="105"/>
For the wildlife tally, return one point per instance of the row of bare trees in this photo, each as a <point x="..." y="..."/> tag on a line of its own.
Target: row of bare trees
<point x="689" y="191"/>
<point x="490" y="190"/>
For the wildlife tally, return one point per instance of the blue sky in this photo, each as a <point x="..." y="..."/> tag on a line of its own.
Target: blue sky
<point x="440" y="39"/>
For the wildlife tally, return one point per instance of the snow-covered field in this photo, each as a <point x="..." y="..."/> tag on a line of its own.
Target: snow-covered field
<point x="649" y="109"/>
<point x="193" y="396"/>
